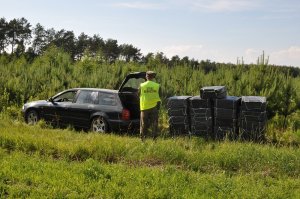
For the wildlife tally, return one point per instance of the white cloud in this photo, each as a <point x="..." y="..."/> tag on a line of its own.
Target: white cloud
<point x="287" y="57"/>
<point x="224" y="5"/>
<point x="198" y="52"/>
<point x="205" y="5"/>
<point x="138" y="5"/>
<point x="182" y="50"/>
<point x="251" y="55"/>
<point x="214" y="5"/>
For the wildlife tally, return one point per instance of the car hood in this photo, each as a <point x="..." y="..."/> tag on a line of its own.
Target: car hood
<point x="35" y="103"/>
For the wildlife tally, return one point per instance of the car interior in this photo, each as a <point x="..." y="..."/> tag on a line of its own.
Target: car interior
<point x="129" y="96"/>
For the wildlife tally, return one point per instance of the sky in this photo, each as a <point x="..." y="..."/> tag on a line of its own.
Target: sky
<point x="217" y="30"/>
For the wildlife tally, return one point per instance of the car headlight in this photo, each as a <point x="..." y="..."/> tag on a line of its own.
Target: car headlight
<point x="24" y="107"/>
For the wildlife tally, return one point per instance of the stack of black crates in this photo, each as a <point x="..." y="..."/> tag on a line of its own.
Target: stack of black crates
<point x="215" y="115"/>
<point x="253" y="117"/>
<point x="226" y="112"/>
<point x="201" y="116"/>
<point x="178" y="115"/>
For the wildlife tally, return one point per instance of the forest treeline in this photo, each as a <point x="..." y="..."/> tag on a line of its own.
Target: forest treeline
<point x="18" y="37"/>
<point x="36" y="63"/>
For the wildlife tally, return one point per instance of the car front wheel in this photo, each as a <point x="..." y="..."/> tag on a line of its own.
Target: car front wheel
<point x="32" y="117"/>
<point x="99" y="125"/>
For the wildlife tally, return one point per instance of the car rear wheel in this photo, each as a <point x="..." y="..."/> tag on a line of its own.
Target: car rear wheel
<point x="32" y="117"/>
<point x="99" y="125"/>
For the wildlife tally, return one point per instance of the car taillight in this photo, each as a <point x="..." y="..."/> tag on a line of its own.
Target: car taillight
<point x="125" y="114"/>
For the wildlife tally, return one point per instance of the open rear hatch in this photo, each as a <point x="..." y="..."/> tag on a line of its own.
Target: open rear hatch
<point x="128" y="93"/>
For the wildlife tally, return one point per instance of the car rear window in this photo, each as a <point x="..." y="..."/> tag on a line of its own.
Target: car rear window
<point x="134" y="83"/>
<point x="88" y="97"/>
<point x="107" y="99"/>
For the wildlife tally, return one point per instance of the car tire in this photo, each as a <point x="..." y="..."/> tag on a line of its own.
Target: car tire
<point x="32" y="117"/>
<point x="99" y="125"/>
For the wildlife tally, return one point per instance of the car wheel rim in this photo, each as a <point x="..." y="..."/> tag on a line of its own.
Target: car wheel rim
<point x="32" y="118"/>
<point x="99" y="125"/>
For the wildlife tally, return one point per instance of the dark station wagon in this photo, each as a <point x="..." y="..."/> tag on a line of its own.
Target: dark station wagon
<point x="99" y="110"/>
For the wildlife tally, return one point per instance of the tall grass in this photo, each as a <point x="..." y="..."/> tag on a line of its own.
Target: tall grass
<point x="188" y="153"/>
<point x="24" y="176"/>
<point x="37" y="163"/>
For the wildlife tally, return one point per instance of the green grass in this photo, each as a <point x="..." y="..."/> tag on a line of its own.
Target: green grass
<point x="37" y="162"/>
<point x="34" y="176"/>
<point x="188" y="153"/>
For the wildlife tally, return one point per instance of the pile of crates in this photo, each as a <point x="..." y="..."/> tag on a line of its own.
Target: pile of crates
<point x="226" y="113"/>
<point x="253" y="117"/>
<point x="201" y="116"/>
<point x="178" y="115"/>
<point x="215" y="115"/>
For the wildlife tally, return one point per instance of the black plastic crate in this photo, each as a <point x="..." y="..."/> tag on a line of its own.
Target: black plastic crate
<point x="225" y="113"/>
<point x="230" y="123"/>
<point x="178" y="129"/>
<point x="253" y="125"/>
<point x="253" y="103"/>
<point x="182" y="111"/>
<point x="200" y="126"/>
<point x="213" y="92"/>
<point x="207" y="121"/>
<point x="252" y="131"/>
<point x="200" y="112"/>
<point x="229" y="102"/>
<point x="198" y="102"/>
<point x="203" y="131"/>
<point x="178" y="101"/>
<point x="178" y="120"/>
<point x="253" y="116"/>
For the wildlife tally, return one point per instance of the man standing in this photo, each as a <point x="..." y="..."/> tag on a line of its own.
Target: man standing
<point x="149" y="92"/>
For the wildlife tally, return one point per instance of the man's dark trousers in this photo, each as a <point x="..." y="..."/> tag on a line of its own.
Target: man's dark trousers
<point x="149" y="122"/>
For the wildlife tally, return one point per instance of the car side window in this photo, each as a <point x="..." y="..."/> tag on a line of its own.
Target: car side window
<point x="107" y="99"/>
<point x="88" y="97"/>
<point x="66" y="97"/>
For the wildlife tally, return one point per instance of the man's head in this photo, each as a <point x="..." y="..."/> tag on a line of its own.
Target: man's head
<point x="150" y="75"/>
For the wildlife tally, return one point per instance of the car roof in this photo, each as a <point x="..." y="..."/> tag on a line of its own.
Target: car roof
<point x="95" y="89"/>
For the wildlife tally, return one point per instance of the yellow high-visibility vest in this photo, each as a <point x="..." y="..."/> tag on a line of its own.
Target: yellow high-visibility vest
<point x="149" y="95"/>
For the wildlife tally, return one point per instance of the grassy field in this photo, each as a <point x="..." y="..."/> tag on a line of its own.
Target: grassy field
<point x="40" y="162"/>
